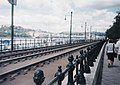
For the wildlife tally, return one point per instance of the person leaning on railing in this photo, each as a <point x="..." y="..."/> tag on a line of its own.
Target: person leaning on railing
<point x="118" y="49"/>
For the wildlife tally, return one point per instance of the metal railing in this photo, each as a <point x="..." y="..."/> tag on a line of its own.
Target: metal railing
<point x="5" y="44"/>
<point x="82" y="65"/>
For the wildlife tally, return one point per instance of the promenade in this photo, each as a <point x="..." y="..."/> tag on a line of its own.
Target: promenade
<point x="111" y="76"/>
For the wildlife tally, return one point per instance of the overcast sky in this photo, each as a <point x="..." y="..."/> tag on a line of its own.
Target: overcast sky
<point x="49" y="15"/>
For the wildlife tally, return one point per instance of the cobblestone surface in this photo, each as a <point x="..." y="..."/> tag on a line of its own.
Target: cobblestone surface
<point x="111" y="76"/>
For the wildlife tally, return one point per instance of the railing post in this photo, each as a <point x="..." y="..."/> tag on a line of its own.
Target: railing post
<point x="1" y="45"/>
<point x="77" y="63"/>
<point x="95" y="49"/>
<point x="34" y="43"/>
<point x="86" y="66"/>
<point x="90" y="57"/>
<point x="38" y="77"/>
<point x="70" y="71"/>
<point x="60" y="75"/>
<point x="30" y="44"/>
<point x="41" y="43"/>
<point x="81" y="74"/>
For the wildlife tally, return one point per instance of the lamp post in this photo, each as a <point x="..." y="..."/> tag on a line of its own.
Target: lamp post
<point x="70" y="28"/>
<point x="90" y="33"/>
<point x="12" y="2"/>
<point x="85" y="30"/>
<point x="95" y="34"/>
<point x="12" y="26"/>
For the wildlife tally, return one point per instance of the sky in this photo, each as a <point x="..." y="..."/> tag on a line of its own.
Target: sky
<point x="49" y="15"/>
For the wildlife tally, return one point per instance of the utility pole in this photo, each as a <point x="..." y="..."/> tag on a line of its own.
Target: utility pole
<point x="95" y="34"/>
<point x="12" y="2"/>
<point x="85" y="30"/>
<point x="90" y="33"/>
<point x="12" y="26"/>
<point x="70" y="38"/>
<point x="71" y="27"/>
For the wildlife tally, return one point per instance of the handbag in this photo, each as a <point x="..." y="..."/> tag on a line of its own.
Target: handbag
<point x="114" y="53"/>
<point x="119" y="57"/>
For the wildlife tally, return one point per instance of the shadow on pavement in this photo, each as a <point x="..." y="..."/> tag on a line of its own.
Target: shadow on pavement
<point x="115" y="66"/>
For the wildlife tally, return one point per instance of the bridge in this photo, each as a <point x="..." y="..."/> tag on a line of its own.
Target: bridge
<point x="81" y="63"/>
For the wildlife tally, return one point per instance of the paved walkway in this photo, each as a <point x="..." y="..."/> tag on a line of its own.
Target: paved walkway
<point x="111" y="76"/>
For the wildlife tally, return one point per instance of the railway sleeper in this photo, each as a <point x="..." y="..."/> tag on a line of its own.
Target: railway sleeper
<point x="12" y="77"/>
<point x="52" y="60"/>
<point x="26" y="70"/>
<point x="12" y="57"/>
<point x="3" y="79"/>
<point x="39" y="55"/>
<point x="57" y="58"/>
<point x="26" y="58"/>
<point x="48" y="62"/>
<point x="61" y="57"/>
<point x="5" y="64"/>
<point x="36" y="56"/>
<point x="22" y="60"/>
<point x="19" y="55"/>
<point x="16" y="61"/>
<point x="36" y="66"/>
<point x="44" y="54"/>
<point x="29" y="58"/>
<point x="42" y="64"/>
<point x="65" y="54"/>
<point x="48" y="53"/>
<point x="4" y="58"/>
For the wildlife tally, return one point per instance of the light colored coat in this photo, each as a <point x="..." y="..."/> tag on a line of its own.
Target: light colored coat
<point x="118" y="47"/>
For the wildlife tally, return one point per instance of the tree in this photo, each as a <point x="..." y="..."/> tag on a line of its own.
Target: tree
<point x="114" y="31"/>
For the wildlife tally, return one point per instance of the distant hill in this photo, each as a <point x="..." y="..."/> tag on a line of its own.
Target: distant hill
<point x="5" y="31"/>
<point x="83" y="33"/>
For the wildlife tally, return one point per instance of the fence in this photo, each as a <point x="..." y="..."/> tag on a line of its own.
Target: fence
<point x="82" y="65"/>
<point x="5" y="44"/>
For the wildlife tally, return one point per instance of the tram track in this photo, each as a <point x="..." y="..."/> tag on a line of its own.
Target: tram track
<point x="15" y="53"/>
<point x="19" y="53"/>
<point x="11" y="73"/>
<point x="32" y="54"/>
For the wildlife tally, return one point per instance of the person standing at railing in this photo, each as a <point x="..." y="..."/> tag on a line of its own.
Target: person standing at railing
<point x="110" y="52"/>
<point x="118" y="49"/>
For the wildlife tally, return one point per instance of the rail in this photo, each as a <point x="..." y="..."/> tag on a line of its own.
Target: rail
<point x="8" y="54"/>
<point x="9" y="61"/>
<point x="16" y="71"/>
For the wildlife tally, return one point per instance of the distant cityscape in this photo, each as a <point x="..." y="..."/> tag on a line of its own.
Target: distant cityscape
<point x="5" y="31"/>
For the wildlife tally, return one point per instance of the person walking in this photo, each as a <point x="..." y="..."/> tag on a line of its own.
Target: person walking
<point x="117" y="46"/>
<point x="110" y="52"/>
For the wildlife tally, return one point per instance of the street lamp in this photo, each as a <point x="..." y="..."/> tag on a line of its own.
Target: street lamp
<point x="85" y="30"/>
<point x="12" y="2"/>
<point x="70" y="27"/>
